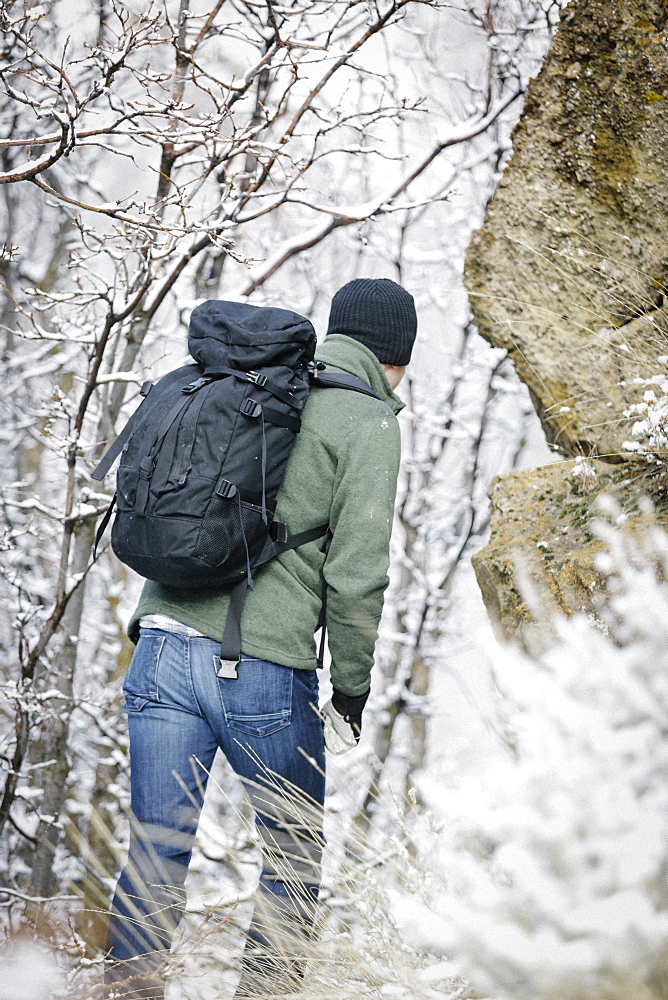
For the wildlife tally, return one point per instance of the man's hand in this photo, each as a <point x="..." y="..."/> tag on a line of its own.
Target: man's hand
<point x="342" y="721"/>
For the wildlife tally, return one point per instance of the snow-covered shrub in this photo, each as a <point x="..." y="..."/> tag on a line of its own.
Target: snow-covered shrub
<point x="28" y="971"/>
<point x="650" y="427"/>
<point x="549" y="870"/>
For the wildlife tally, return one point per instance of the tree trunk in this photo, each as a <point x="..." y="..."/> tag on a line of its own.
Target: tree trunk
<point x="53" y="745"/>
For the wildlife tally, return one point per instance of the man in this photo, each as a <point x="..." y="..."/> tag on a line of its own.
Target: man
<point x="342" y="471"/>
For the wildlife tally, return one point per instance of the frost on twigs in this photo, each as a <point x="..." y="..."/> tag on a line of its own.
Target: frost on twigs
<point x="551" y="865"/>
<point x="650" y="427"/>
<point x="583" y="476"/>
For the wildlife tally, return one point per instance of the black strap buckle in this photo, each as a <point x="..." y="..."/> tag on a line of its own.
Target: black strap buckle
<point x="251" y="408"/>
<point x="197" y="384"/>
<point x="257" y="378"/>
<point x="226" y="489"/>
<point x="146" y="467"/>
<point x="145" y="388"/>
<point x="279" y="532"/>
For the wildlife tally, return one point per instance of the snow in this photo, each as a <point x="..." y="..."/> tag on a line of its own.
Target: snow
<point x="550" y="857"/>
<point x="28" y="971"/>
<point x="650" y="433"/>
<point x="121" y="377"/>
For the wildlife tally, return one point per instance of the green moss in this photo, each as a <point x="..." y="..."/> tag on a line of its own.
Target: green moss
<point x="652" y="97"/>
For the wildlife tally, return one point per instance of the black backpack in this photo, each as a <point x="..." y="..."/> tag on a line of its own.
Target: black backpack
<point x="203" y="456"/>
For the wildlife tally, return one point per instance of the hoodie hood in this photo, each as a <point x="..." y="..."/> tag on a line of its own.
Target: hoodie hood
<point x="238" y="335"/>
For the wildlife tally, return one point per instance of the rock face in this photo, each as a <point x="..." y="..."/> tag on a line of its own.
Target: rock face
<point x="569" y="274"/>
<point x="569" y="270"/>
<point x="542" y="531"/>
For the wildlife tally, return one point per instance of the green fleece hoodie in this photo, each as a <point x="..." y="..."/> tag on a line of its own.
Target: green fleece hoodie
<point x="343" y="470"/>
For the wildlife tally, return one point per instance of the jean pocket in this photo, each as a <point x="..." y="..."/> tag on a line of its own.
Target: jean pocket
<point x="259" y="701"/>
<point x="134" y="702"/>
<point x="141" y="680"/>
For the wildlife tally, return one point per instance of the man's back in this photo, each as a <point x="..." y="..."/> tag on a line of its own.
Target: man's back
<point x="342" y="471"/>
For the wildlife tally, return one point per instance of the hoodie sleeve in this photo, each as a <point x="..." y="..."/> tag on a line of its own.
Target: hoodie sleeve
<point x="355" y="570"/>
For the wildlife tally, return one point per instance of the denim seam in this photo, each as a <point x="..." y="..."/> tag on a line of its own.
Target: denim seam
<point x="151" y="675"/>
<point x="285" y="713"/>
<point x="189" y="674"/>
<point x="154" y="668"/>
<point x="163" y="639"/>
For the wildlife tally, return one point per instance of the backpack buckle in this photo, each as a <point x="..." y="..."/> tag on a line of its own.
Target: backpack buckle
<point x="256" y="378"/>
<point x="226" y="489"/>
<point x="228" y="669"/>
<point x="279" y="532"/>
<point x="146" y="467"/>
<point x="250" y="408"/>
<point x="197" y="384"/>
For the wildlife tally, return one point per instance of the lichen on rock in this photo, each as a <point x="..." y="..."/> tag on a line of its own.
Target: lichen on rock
<point x="569" y="270"/>
<point x="569" y="274"/>
<point x="542" y="533"/>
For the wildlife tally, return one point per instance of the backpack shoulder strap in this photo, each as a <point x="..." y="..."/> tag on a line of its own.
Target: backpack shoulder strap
<point x="341" y="380"/>
<point x="230" y="648"/>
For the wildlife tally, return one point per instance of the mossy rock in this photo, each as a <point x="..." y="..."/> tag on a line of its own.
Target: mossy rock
<point x="569" y="271"/>
<point x="541" y="537"/>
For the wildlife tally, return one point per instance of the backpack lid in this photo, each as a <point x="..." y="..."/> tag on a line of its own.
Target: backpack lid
<point x="238" y="335"/>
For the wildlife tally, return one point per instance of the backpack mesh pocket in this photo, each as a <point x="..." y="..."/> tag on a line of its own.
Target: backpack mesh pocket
<point x="224" y="526"/>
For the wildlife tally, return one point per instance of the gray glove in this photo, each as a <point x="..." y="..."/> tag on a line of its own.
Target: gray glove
<point x="342" y="721"/>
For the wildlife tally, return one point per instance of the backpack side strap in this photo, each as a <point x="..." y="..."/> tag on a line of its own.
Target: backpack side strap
<point x="103" y="526"/>
<point x="301" y="538"/>
<point x="114" y="450"/>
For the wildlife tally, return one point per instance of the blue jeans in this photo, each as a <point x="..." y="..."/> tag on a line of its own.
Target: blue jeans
<point x="265" y="723"/>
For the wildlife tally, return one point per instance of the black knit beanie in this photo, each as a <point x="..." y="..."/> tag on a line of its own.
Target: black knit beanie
<point x="380" y="314"/>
